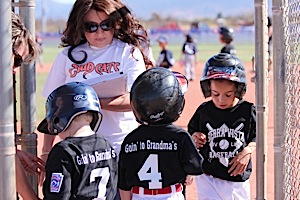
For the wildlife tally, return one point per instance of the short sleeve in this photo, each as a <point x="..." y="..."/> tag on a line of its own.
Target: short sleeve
<point x="59" y="169"/>
<point x="56" y="76"/>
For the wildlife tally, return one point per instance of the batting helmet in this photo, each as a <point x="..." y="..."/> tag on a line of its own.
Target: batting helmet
<point x="157" y="96"/>
<point x="226" y="32"/>
<point x="65" y="103"/>
<point x="224" y="66"/>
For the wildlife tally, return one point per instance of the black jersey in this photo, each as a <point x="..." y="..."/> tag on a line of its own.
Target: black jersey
<point x="228" y="48"/>
<point x="165" y="59"/>
<point x="157" y="157"/>
<point x="81" y="168"/>
<point x="189" y="48"/>
<point x="227" y="132"/>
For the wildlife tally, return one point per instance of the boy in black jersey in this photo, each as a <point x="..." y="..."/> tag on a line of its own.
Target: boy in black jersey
<point x="224" y="130"/>
<point x="83" y="165"/>
<point x="157" y="157"/>
<point x="226" y="38"/>
<point x="166" y="58"/>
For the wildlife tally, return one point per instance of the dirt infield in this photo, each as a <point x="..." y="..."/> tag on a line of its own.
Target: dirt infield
<point x="193" y="99"/>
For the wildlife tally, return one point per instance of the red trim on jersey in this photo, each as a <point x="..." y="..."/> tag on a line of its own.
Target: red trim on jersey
<point x="165" y="190"/>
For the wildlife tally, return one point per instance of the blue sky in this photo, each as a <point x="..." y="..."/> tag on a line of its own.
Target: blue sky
<point x="188" y="9"/>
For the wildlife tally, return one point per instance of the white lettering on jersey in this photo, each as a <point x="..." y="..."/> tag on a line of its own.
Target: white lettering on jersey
<point x="85" y="159"/>
<point x="150" y="145"/>
<point x="221" y="146"/>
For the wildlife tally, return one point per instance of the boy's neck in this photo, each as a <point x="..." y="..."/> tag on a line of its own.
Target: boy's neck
<point x="84" y="131"/>
<point x="77" y="130"/>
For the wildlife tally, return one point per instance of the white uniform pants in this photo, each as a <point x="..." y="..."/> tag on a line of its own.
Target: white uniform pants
<point x="189" y="66"/>
<point x="210" y="188"/>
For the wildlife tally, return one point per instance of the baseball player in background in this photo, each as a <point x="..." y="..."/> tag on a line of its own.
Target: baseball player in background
<point x="83" y="165"/>
<point x="165" y="58"/>
<point x="226" y="38"/>
<point x="224" y="130"/>
<point x="189" y="52"/>
<point x="157" y="157"/>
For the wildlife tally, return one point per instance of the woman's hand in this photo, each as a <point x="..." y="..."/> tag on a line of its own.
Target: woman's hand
<point x="199" y="139"/>
<point x="31" y="163"/>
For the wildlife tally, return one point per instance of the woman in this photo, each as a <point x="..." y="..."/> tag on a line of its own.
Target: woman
<point x="101" y="39"/>
<point x="24" y="49"/>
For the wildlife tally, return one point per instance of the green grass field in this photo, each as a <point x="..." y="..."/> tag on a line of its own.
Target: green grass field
<point x="245" y="53"/>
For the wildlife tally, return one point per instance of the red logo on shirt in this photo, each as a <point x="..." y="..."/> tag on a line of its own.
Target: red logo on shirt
<point x="90" y="67"/>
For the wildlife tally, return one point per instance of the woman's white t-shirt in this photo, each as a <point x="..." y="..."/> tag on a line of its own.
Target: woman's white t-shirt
<point x="116" y="57"/>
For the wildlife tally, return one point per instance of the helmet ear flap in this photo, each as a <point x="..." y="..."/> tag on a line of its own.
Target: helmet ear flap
<point x="205" y="86"/>
<point x="240" y="91"/>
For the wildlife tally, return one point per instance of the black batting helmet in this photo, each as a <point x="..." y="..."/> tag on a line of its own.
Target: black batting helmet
<point x="224" y="66"/>
<point x="65" y="103"/>
<point x="226" y="32"/>
<point x="157" y="96"/>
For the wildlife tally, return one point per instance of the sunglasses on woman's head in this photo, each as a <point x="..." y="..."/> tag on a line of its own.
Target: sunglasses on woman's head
<point x="92" y="27"/>
<point x="18" y="60"/>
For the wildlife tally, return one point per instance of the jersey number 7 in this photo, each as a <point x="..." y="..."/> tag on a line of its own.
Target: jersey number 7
<point x="104" y="174"/>
<point x="149" y="171"/>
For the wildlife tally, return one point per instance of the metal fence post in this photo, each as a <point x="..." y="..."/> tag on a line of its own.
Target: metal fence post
<point x="261" y="95"/>
<point x="279" y="95"/>
<point x="7" y="135"/>
<point x="28" y="138"/>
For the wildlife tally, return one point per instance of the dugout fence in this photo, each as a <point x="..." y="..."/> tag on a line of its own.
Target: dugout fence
<point x="291" y="164"/>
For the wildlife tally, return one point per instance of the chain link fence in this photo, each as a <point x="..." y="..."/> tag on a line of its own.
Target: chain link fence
<point x="291" y="168"/>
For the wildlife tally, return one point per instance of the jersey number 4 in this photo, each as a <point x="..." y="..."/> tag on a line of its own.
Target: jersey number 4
<point x="149" y="172"/>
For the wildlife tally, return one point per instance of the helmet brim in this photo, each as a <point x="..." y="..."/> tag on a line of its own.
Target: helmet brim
<point x="43" y="127"/>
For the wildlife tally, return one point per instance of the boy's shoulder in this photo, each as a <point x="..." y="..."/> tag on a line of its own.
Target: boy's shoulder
<point x="81" y="141"/>
<point x="140" y="131"/>
<point x="248" y="103"/>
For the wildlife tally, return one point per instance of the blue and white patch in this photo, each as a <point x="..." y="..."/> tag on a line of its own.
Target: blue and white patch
<point x="56" y="181"/>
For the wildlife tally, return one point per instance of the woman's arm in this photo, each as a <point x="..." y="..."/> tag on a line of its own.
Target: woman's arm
<point x="117" y="104"/>
<point x="23" y="186"/>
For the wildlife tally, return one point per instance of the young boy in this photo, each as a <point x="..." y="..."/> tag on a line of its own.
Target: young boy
<point x="189" y="53"/>
<point x="224" y="130"/>
<point x="226" y="38"/>
<point x="156" y="157"/>
<point x="83" y="165"/>
<point x="165" y="58"/>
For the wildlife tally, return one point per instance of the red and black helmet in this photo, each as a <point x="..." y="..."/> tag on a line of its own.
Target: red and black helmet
<point x="224" y="66"/>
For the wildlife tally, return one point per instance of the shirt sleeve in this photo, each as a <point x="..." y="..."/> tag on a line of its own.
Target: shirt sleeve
<point x="59" y="169"/>
<point x="134" y="65"/>
<point x="252" y="133"/>
<point x="122" y="184"/>
<point x="190" y="157"/>
<point x="56" y="76"/>
<point x="170" y="58"/>
<point x="194" y="123"/>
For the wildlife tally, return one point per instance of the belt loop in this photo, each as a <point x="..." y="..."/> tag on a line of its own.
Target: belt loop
<point x="141" y="190"/>
<point x="173" y="188"/>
